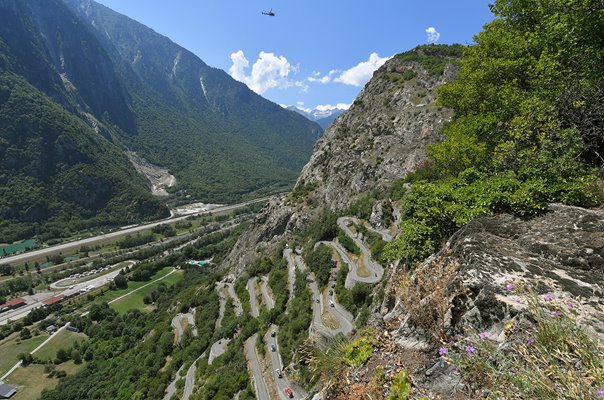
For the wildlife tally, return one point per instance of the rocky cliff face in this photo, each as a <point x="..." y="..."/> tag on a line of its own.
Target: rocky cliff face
<point x="560" y="254"/>
<point x="381" y="137"/>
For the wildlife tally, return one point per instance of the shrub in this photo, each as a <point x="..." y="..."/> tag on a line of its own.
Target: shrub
<point x="401" y="387"/>
<point x="358" y="352"/>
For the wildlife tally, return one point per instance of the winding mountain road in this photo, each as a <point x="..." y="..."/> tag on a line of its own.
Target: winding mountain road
<point x="177" y="324"/>
<point x="251" y="288"/>
<point x="253" y="364"/>
<point x="269" y="300"/>
<point x="277" y="364"/>
<point x="375" y="269"/>
<point x="190" y="378"/>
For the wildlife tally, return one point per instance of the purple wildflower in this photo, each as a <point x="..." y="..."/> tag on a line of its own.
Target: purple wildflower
<point x="530" y="341"/>
<point x="555" y="313"/>
<point x="601" y="393"/>
<point x="454" y="368"/>
<point x="470" y="349"/>
<point x="570" y="304"/>
<point x="509" y="287"/>
<point x="517" y="300"/>
<point x="549" y="296"/>
<point x="443" y="351"/>
<point x="484" y="335"/>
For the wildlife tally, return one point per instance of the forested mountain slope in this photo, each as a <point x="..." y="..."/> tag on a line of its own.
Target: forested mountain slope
<point x="194" y="119"/>
<point x="124" y="87"/>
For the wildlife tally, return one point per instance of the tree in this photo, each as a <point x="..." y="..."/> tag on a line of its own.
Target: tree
<point x="25" y="358"/>
<point x="62" y="356"/>
<point x="120" y="281"/>
<point x="75" y="356"/>
<point x="25" y="334"/>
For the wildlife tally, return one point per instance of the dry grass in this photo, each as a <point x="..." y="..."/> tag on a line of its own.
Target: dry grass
<point x="32" y="380"/>
<point x="427" y="295"/>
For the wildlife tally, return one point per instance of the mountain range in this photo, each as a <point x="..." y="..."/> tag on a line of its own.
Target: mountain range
<point x="82" y="85"/>
<point x="323" y="116"/>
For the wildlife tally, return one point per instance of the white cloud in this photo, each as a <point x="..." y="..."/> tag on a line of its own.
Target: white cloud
<point x="329" y="107"/>
<point x="432" y="35"/>
<point x="316" y="77"/>
<point x="362" y="72"/>
<point x="268" y="72"/>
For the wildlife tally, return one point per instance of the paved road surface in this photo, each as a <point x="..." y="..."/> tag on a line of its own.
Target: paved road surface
<point x="353" y="269"/>
<point x="171" y="389"/>
<point x="251" y="288"/>
<point x="218" y="349"/>
<point x="253" y="365"/>
<point x="277" y="363"/>
<point x="266" y="293"/>
<point x="376" y="270"/>
<point x="21" y="258"/>
<point x="190" y="379"/>
<point x="177" y="325"/>
<point x="236" y="301"/>
<point x="341" y="315"/>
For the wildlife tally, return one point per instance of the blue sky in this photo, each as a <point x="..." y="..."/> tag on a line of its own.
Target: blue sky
<point x="313" y="52"/>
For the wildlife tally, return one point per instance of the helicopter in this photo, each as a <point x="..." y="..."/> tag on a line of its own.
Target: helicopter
<point x="269" y="13"/>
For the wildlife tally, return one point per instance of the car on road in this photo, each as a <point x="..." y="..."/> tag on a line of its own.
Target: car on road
<point x="279" y="373"/>
<point x="71" y="287"/>
<point x="288" y="392"/>
<point x="330" y="292"/>
<point x="273" y="348"/>
<point x="331" y="304"/>
<point x="273" y="334"/>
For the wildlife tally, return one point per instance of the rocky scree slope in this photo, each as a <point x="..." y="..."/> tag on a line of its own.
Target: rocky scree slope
<point x="379" y="139"/>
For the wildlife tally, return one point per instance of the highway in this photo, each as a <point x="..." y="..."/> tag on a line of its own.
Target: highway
<point x="65" y="247"/>
<point x="253" y="364"/>
<point x="37" y="299"/>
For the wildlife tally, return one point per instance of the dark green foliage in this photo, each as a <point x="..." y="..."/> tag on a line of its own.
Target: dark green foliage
<point x="226" y="376"/>
<point x="516" y="142"/>
<point x="134" y="241"/>
<point x="294" y="325"/>
<point x="25" y="334"/>
<point x="355" y="299"/>
<point x="57" y="175"/>
<point x="320" y="262"/>
<point x="277" y="280"/>
<point x="120" y="281"/>
<point x="347" y="242"/>
<point x="363" y="206"/>
<point x="166" y="230"/>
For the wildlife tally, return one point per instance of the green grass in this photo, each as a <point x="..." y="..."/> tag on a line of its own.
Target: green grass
<point x="9" y="349"/>
<point x="63" y="340"/>
<point x="114" y="294"/>
<point x="135" y="300"/>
